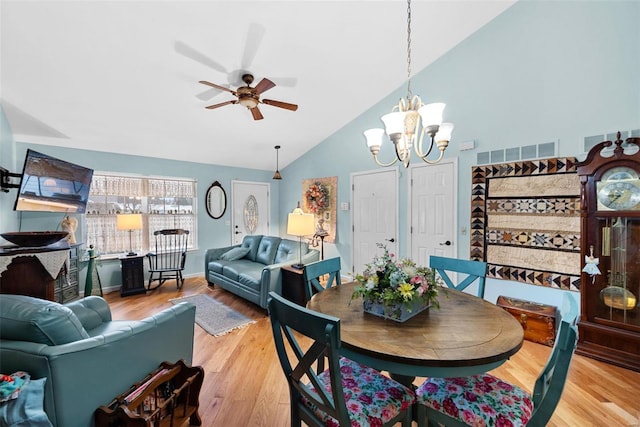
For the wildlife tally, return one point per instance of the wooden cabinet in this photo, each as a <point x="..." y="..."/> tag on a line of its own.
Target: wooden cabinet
<point x="49" y="272"/>
<point x="66" y="285"/>
<point x="168" y="396"/>
<point x="609" y="326"/>
<point x="293" y="285"/>
<point x="132" y="275"/>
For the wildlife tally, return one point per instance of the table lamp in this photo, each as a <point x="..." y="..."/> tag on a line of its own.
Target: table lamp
<point x="129" y="222"/>
<point x="300" y="224"/>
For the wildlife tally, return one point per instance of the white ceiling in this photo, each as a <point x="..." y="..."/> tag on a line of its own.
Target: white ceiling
<point x="122" y="76"/>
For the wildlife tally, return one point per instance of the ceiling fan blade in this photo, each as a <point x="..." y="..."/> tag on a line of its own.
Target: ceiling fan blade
<point x="264" y="85"/>
<point x="255" y="112"/>
<point x="217" y="86"/>
<point x="208" y="94"/>
<point x="222" y="104"/>
<point x="280" y="104"/>
<point x="186" y="50"/>
<point x="254" y="38"/>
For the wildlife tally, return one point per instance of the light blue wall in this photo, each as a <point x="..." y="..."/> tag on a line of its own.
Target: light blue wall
<point x="542" y="71"/>
<point x="8" y="221"/>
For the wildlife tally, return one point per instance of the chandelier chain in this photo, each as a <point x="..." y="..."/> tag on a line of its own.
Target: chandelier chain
<point x="409" y="94"/>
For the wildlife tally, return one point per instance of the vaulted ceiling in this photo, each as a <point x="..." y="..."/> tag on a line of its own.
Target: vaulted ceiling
<point x="122" y="76"/>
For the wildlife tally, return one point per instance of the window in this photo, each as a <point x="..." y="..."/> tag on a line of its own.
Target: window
<point x="163" y="203"/>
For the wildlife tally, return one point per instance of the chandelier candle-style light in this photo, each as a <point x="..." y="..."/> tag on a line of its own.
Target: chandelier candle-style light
<point x="409" y="121"/>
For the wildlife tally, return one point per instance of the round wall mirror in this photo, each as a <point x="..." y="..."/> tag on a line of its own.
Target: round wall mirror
<point x="216" y="201"/>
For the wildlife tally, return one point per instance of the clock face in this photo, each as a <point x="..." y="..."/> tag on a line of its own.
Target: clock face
<point x="619" y="190"/>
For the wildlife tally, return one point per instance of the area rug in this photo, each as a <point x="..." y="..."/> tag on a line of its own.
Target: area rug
<point x="213" y="316"/>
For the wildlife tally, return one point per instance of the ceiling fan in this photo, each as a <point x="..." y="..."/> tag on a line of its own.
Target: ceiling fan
<point x="250" y="96"/>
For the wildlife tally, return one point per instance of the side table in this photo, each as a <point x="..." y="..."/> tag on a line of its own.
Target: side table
<point x="132" y="275"/>
<point x="293" y="285"/>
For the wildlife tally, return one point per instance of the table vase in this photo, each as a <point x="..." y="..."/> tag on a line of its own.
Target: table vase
<point x="398" y="312"/>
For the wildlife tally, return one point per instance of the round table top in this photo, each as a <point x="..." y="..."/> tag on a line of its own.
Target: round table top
<point x="465" y="335"/>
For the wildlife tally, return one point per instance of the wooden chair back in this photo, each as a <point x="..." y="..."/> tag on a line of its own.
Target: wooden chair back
<point x="168" y="257"/>
<point x="475" y="271"/>
<point x="314" y="276"/>
<point x="293" y="326"/>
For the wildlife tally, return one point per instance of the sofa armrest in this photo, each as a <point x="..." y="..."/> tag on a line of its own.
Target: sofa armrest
<point x="272" y="276"/>
<point x="214" y="254"/>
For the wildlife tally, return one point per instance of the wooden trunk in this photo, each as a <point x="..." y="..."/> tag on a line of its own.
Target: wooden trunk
<point x="537" y="320"/>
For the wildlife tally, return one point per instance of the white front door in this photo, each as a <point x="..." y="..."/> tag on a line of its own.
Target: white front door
<point x="374" y="215"/>
<point x="433" y="195"/>
<point x="250" y="215"/>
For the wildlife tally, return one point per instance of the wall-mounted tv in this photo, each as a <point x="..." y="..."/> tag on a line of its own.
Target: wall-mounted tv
<point x="53" y="185"/>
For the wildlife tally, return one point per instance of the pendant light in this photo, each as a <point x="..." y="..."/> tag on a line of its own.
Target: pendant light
<point x="277" y="174"/>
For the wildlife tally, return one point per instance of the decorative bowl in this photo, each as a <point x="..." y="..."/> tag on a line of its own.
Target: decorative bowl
<point x="34" y="238"/>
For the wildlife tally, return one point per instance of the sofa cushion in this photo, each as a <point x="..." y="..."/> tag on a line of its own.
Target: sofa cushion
<point x="31" y="319"/>
<point x="233" y="269"/>
<point x="235" y="254"/>
<point x="252" y="243"/>
<point x="267" y="249"/>
<point x="288" y="250"/>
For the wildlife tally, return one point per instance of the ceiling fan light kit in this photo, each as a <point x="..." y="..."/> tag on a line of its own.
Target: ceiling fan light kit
<point x="409" y="122"/>
<point x="249" y="97"/>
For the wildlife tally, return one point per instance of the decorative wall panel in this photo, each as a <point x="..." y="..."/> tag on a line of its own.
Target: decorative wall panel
<point x="525" y="221"/>
<point x="319" y="197"/>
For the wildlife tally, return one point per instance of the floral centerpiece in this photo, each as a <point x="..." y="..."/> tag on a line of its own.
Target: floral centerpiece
<point x="396" y="289"/>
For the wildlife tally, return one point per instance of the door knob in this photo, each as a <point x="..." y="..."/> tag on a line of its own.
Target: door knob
<point x="447" y="243"/>
<point x="238" y="232"/>
<point x="390" y="240"/>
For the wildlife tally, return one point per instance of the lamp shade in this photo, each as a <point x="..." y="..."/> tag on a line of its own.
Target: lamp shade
<point x="432" y="113"/>
<point x="300" y="224"/>
<point x="129" y="222"/>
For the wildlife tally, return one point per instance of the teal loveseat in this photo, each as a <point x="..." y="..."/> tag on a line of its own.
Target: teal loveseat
<point x="86" y="357"/>
<point x="252" y="269"/>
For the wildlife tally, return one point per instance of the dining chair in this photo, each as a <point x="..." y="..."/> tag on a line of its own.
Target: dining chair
<point x="168" y="257"/>
<point x="314" y="276"/>
<point x="475" y="270"/>
<point x="487" y="400"/>
<point x="346" y="393"/>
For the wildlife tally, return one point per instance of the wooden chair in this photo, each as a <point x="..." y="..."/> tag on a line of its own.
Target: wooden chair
<point x="321" y="398"/>
<point x="314" y="272"/>
<point x="475" y="270"/>
<point x="458" y="400"/>
<point x="167" y="260"/>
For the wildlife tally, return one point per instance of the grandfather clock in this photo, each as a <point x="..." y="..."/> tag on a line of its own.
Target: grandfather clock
<point x="609" y="323"/>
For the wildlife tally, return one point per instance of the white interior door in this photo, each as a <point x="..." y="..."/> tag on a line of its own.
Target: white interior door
<point x="250" y="203"/>
<point x="374" y="215"/>
<point x="433" y="195"/>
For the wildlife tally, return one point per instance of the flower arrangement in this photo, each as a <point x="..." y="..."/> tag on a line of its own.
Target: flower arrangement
<point x="317" y="197"/>
<point x="396" y="284"/>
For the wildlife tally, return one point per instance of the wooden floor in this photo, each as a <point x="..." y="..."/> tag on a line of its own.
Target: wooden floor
<point x="244" y="384"/>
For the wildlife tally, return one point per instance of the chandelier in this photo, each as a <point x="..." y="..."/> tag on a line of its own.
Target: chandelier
<point x="410" y="121"/>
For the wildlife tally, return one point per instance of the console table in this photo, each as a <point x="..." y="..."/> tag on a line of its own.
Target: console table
<point x="47" y="272"/>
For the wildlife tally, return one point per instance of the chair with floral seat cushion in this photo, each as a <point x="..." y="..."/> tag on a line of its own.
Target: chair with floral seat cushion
<point x="489" y="401"/>
<point x="475" y="271"/>
<point x="347" y="393"/>
<point x="314" y="276"/>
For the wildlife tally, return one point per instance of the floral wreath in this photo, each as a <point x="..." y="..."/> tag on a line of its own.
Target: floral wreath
<point x="317" y="197"/>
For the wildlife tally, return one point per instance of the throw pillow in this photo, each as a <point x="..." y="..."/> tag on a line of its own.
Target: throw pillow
<point x="234" y="254"/>
<point x="27" y="409"/>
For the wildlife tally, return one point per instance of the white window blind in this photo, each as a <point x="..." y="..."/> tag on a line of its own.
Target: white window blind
<point x="163" y="202"/>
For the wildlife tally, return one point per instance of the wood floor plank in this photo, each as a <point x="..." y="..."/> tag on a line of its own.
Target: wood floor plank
<point x="244" y="384"/>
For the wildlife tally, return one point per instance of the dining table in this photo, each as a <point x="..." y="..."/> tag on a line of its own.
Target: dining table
<point x="465" y="335"/>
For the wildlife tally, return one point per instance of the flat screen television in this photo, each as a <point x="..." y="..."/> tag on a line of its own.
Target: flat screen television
<point x="53" y="185"/>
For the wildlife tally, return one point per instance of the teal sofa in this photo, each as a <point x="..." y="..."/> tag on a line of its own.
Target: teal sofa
<point x="252" y="269"/>
<point x="86" y="357"/>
